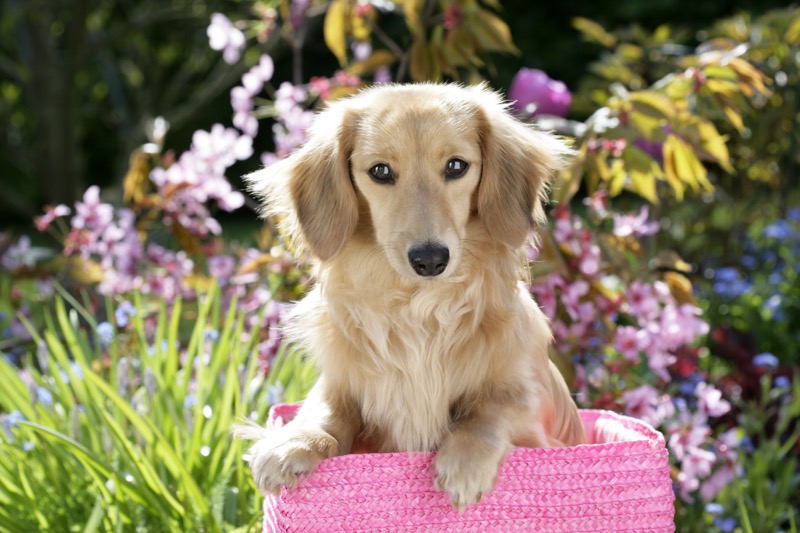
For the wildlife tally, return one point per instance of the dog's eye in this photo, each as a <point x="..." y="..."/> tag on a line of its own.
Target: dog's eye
<point x="455" y="168"/>
<point x="382" y="173"/>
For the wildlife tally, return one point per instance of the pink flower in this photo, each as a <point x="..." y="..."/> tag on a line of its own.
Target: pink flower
<point x="720" y="479"/>
<point x="643" y="303"/>
<point x="647" y="404"/>
<point x="534" y="93"/>
<point x="91" y="214"/>
<point x="630" y="342"/>
<point x="223" y="35"/>
<point x="710" y="400"/>
<point x="659" y="361"/>
<point x="695" y="466"/>
<point x="634" y="224"/>
<point x="50" y="214"/>
<point x="590" y="260"/>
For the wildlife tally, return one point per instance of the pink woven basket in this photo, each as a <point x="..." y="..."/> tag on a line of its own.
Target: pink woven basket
<point x="620" y="481"/>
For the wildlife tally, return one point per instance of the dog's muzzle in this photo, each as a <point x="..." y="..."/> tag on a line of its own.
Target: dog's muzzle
<point x="429" y="259"/>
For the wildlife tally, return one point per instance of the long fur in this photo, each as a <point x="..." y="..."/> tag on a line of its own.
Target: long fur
<point x="457" y="363"/>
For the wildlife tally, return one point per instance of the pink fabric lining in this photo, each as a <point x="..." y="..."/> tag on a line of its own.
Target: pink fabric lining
<point x="620" y="481"/>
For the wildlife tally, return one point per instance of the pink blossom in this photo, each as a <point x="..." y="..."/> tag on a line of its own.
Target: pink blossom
<point x="91" y="214"/>
<point x="630" y="342"/>
<point x="695" y="466"/>
<point x="571" y="296"/>
<point x="223" y="35"/>
<point x="598" y="203"/>
<point x="590" y="260"/>
<point x="658" y="361"/>
<point x="710" y="400"/>
<point x="647" y="404"/>
<point x="720" y="479"/>
<point x="642" y="301"/>
<point x="634" y="225"/>
<point x="50" y="214"/>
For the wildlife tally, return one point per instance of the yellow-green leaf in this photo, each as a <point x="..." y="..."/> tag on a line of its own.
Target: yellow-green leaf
<point x="593" y="31"/>
<point x="652" y="104"/>
<point x="335" y="29"/>
<point x="643" y="171"/>
<point x="617" y="180"/>
<point x="379" y="58"/>
<point x="412" y="9"/>
<point x="422" y="66"/>
<point x="670" y="168"/>
<point x="490" y="32"/>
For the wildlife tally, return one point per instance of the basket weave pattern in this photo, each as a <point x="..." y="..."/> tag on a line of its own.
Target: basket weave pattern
<point x="620" y="481"/>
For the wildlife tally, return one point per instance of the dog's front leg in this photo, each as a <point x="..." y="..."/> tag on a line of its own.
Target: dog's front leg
<point x="325" y="426"/>
<point x="470" y="456"/>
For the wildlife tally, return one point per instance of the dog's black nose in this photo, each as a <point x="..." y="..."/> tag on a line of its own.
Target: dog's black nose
<point x="429" y="259"/>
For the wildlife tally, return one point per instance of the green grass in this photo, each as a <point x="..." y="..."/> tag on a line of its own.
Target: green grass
<point x="136" y="437"/>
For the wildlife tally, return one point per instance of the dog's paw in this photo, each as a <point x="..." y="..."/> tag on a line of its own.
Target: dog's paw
<point x="283" y="457"/>
<point x="466" y="470"/>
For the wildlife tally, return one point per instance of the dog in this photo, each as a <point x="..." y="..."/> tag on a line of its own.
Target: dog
<point x="414" y="202"/>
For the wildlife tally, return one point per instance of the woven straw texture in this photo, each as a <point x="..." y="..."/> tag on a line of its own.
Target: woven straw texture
<point x="620" y="481"/>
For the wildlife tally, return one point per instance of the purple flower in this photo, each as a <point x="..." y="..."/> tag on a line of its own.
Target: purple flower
<point x="534" y="93"/>
<point x="223" y="35"/>
<point x="91" y="214"/>
<point x="654" y="149"/>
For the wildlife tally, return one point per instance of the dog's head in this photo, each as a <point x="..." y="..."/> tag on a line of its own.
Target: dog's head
<point x="416" y="164"/>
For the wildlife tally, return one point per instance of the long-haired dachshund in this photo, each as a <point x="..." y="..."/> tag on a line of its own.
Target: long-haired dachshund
<point x="414" y="202"/>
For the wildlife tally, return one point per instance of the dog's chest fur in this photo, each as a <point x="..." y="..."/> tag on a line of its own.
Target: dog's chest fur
<point x="411" y="353"/>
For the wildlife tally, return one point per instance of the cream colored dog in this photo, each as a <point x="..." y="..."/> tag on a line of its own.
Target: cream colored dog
<point x="415" y="201"/>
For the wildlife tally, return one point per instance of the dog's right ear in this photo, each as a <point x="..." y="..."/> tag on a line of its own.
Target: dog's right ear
<point x="311" y="190"/>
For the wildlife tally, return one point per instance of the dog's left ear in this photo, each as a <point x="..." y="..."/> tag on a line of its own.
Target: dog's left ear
<point x="311" y="190"/>
<point x="518" y="164"/>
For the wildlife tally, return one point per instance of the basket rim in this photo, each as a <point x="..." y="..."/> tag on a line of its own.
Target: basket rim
<point x="649" y="440"/>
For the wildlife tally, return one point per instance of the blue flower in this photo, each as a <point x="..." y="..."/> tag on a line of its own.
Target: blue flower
<point x="211" y="335"/>
<point x="105" y="334"/>
<point x="765" y="360"/>
<point x="726" y="525"/>
<point x="11" y="421"/>
<point x="726" y="274"/>
<point x="793" y="214"/>
<point x="778" y="230"/>
<point x="28" y="446"/>
<point x="189" y="401"/>
<point x="44" y="396"/>
<point x="123" y="313"/>
<point x="781" y="382"/>
<point x="713" y="508"/>
<point x="748" y="261"/>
